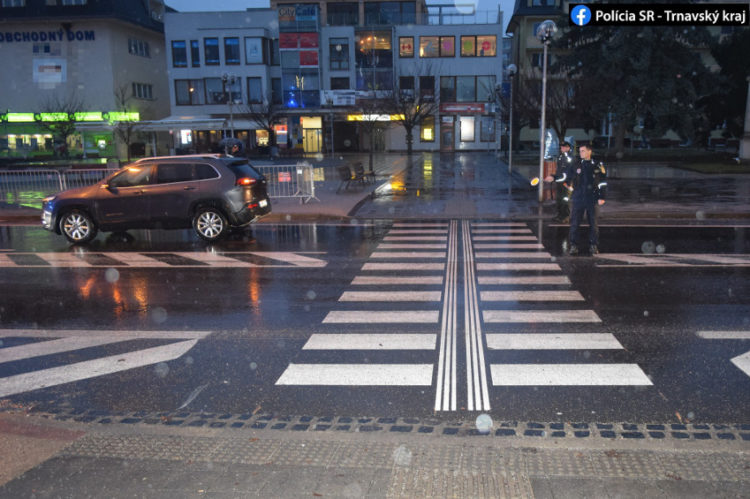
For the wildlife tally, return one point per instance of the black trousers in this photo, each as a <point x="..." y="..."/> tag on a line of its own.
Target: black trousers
<point x="577" y="210"/>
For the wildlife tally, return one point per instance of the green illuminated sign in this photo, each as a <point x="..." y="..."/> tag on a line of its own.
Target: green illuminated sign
<point x="20" y="117"/>
<point x="123" y="116"/>
<point x="89" y="116"/>
<point x="54" y="116"/>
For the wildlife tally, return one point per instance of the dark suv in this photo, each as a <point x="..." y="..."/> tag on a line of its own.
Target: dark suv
<point x="211" y="193"/>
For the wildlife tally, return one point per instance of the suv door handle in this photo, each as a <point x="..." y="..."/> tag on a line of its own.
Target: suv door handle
<point x="188" y="188"/>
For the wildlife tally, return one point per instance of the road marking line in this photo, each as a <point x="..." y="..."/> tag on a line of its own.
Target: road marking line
<point x="502" y="231"/>
<point x="63" y="259"/>
<point x="545" y="295"/>
<point x="530" y="279"/>
<point x="20" y="383"/>
<point x="481" y="246"/>
<point x="743" y="362"/>
<point x="408" y="254"/>
<point x="568" y="375"/>
<point x="540" y="316"/>
<point x="476" y="373"/>
<point x="505" y="238"/>
<point x="513" y="254"/>
<point x="418" y="224"/>
<point x="724" y="335"/>
<point x="49" y="347"/>
<point x="499" y="224"/>
<point x="136" y="259"/>
<point x="290" y="258"/>
<point x="403" y="266"/>
<point x="5" y="261"/>
<point x="550" y="341"/>
<point x="518" y="266"/>
<point x="382" y="317"/>
<point x="419" y="232"/>
<point x="390" y="296"/>
<point x="415" y="238"/>
<point x="380" y="280"/>
<point x="445" y="388"/>
<point x="357" y="375"/>
<point x="98" y="333"/>
<point x="411" y="246"/>
<point x="404" y="341"/>
<point x="214" y="259"/>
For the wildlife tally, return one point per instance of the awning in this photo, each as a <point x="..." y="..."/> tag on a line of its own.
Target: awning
<point x="182" y="123"/>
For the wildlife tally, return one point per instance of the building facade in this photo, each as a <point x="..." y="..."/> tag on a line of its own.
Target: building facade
<point x="318" y="63"/>
<point x="96" y="62"/>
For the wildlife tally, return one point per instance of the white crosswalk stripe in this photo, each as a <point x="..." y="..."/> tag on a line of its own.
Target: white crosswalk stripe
<point x="371" y="341"/>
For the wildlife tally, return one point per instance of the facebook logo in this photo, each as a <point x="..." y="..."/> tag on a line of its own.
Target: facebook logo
<point x="580" y="15"/>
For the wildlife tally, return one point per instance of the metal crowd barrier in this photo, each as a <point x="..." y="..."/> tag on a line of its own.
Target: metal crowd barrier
<point x="29" y="187"/>
<point x="289" y="181"/>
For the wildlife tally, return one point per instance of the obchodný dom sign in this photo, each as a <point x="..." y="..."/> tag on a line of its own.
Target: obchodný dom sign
<point x="47" y="36"/>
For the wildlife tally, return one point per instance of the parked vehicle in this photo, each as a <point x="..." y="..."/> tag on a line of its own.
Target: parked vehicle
<point x="211" y="193"/>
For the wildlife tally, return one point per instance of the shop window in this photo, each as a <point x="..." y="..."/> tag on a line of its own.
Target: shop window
<point x="486" y="129"/>
<point x="466" y="89"/>
<point x="195" y="53"/>
<point x="339" y="53"/>
<point x="448" y="89"/>
<point x="254" y="50"/>
<point x="466" y="125"/>
<point x="406" y="46"/>
<point x="231" y="51"/>
<point x="211" y="51"/>
<point x="179" y="54"/>
<point x="254" y="90"/>
<point x="340" y="83"/>
<point x="427" y="129"/>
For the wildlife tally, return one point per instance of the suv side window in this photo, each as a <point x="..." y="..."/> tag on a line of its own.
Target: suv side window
<point x="168" y="173"/>
<point x="204" y="171"/>
<point x="133" y="176"/>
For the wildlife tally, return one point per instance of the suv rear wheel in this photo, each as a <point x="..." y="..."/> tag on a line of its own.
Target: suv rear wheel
<point x="77" y="226"/>
<point x="210" y="223"/>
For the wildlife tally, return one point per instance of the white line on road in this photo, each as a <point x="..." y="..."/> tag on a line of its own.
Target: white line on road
<point x="542" y="295"/>
<point x="476" y="368"/>
<point x="382" y="317"/>
<point x="402" y="341"/>
<point x="415" y="238"/>
<point x="5" y="261"/>
<point x="551" y="341"/>
<point x="136" y="259"/>
<point x="499" y="224"/>
<point x="513" y="254"/>
<point x="357" y="375"/>
<point x="487" y="246"/>
<point x="383" y="246"/>
<point x="501" y="231"/>
<point x="50" y="347"/>
<point x="390" y="296"/>
<point x="529" y="279"/>
<point x="214" y="259"/>
<point x="92" y="368"/>
<point x="743" y="362"/>
<point x="419" y="224"/>
<point x="364" y="280"/>
<point x="568" y="375"/>
<point x="445" y="385"/>
<point x="408" y="254"/>
<point x="518" y="266"/>
<point x="63" y="259"/>
<point x="121" y="335"/>
<point x="539" y="316"/>
<point x="403" y="266"/>
<point x="420" y="232"/>
<point x="724" y="335"/>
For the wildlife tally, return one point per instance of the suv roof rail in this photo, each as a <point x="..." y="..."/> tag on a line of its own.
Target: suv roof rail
<point x="202" y="156"/>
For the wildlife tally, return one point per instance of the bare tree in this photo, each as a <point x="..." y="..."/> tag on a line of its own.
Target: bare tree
<point x="266" y="116"/>
<point x="410" y="106"/>
<point x="57" y="115"/>
<point x="126" y="130"/>
<point x="371" y="109"/>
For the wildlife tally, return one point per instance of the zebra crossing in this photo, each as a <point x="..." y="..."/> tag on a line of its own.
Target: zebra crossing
<point x="471" y="291"/>
<point x="161" y="259"/>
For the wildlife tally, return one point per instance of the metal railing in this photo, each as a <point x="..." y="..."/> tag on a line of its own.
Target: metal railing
<point x="289" y="181"/>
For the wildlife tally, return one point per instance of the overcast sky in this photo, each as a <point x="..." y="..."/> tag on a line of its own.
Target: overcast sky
<point x="235" y="5"/>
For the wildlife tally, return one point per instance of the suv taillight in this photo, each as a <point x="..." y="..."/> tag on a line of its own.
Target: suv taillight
<point x="245" y="181"/>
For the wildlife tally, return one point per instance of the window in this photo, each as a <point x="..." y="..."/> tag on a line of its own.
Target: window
<point x="429" y="46"/>
<point x="254" y="51"/>
<point x="479" y="46"/>
<point x="406" y="46"/>
<point x="427" y="129"/>
<point x="179" y="54"/>
<point x="486" y="129"/>
<point x="448" y="89"/>
<point x="340" y="83"/>
<point x="143" y="91"/>
<point x="447" y="46"/>
<point x="233" y="89"/>
<point x="74" y="2"/>
<point x="138" y="47"/>
<point x="536" y="60"/>
<point x="406" y="83"/>
<point x="132" y="176"/>
<point x="485" y="87"/>
<point x="195" y="53"/>
<point x="339" y="53"/>
<point x="14" y="3"/>
<point x="427" y="88"/>
<point x="173" y="172"/>
<point x="466" y="124"/>
<point x="275" y="57"/>
<point x="215" y="91"/>
<point x="211" y="51"/>
<point x="542" y="3"/>
<point x="466" y="89"/>
<point x="343" y="14"/>
<point x="231" y="51"/>
<point x="390" y="13"/>
<point x="254" y="90"/>
<point x="276" y="90"/>
<point x="189" y="92"/>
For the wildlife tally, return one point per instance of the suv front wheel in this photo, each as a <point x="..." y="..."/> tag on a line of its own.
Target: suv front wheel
<point x="77" y="226"/>
<point x="210" y="223"/>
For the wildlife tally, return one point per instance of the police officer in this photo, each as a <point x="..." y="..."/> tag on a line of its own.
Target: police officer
<point x="562" y="201"/>
<point x="588" y="179"/>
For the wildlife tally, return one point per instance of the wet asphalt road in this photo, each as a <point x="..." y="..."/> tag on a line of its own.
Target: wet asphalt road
<point x="660" y="294"/>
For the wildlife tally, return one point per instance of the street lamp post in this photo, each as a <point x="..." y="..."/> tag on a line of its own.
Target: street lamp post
<point x="511" y="71"/>
<point x="544" y="34"/>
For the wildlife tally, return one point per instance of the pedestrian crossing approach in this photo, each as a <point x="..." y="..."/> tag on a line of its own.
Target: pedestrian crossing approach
<point x="470" y="294"/>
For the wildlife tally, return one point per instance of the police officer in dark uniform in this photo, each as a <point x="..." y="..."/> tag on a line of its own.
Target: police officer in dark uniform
<point x="588" y="179"/>
<point x="562" y="200"/>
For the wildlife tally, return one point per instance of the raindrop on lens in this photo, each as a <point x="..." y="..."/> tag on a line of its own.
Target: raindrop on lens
<point x="189" y="360"/>
<point x="253" y="366"/>
<point x="484" y="424"/>
<point x="645" y="313"/>
<point x="690" y="415"/>
<point x="402" y="456"/>
<point x="161" y="369"/>
<point x="159" y="315"/>
<point x="661" y="249"/>
<point x="648" y="247"/>
<point x="311" y="295"/>
<point x="111" y="275"/>
<point x="700" y="215"/>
